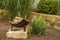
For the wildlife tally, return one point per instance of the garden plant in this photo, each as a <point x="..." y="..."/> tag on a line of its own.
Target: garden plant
<point x="19" y="8"/>
<point x="38" y="26"/>
<point x="48" y="6"/>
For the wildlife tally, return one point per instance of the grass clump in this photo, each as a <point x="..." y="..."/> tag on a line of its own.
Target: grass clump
<point x="38" y="26"/>
<point x="21" y="8"/>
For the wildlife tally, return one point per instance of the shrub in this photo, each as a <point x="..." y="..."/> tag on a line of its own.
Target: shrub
<point x="47" y="6"/>
<point x="38" y="26"/>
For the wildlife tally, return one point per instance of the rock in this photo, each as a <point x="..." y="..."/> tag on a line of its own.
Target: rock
<point x="57" y="27"/>
<point x="17" y="34"/>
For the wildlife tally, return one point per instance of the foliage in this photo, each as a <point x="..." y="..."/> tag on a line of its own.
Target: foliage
<point x="48" y="6"/>
<point x="10" y="6"/>
<point x="38" y="26"/>
<point x="58" y="7"/>
<point x="24" y="8"/>
<point x="19" y="8"/>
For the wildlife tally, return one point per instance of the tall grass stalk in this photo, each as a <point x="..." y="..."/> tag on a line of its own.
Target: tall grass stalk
<point x="19" y="8"/>
<point x="38" y="26"/>
<point x="24" y="7"/>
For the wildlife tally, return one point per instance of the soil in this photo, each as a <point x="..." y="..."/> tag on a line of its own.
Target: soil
<point x="52" y="34"/>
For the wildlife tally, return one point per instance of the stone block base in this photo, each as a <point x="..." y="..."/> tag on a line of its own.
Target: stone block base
<point x="17" y="34"/>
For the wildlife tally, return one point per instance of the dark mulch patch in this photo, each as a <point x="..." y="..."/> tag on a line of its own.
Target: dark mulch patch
<point x="52" y="34"/>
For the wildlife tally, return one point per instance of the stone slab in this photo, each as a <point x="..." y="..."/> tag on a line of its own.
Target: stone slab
<point x="17" y="34"/>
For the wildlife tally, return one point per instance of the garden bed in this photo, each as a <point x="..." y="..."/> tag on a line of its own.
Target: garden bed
<point x="51" y="34"/>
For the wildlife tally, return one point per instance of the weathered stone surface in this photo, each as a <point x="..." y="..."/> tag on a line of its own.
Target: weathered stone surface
<point x="57" y="27"/>
<point x="48" y="17"/>
<point x="17" y="34"/>
<point x="3" y="13"/>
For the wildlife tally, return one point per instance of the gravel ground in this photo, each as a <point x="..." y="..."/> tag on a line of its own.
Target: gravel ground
<point x="52" y="34"/>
